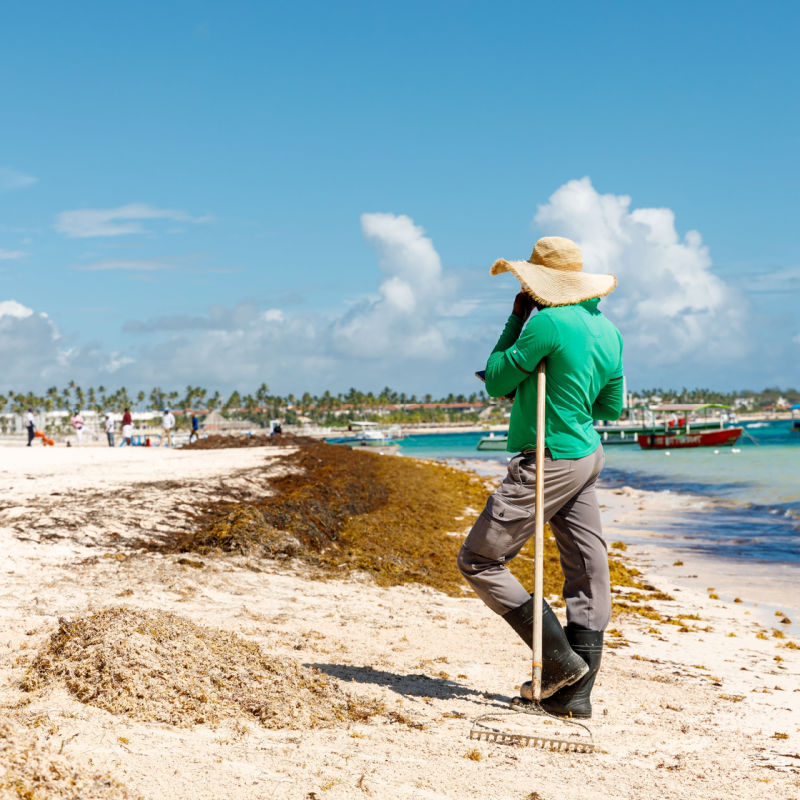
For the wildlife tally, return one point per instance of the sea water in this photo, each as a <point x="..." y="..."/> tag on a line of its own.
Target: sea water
<point x="753" y="488"/>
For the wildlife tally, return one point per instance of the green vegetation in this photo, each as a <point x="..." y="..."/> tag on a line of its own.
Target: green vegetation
<point x="387" y="406"/>
<point x="743" y="400"/>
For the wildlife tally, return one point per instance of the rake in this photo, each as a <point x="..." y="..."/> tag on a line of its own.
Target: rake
<point x="528" y="724"/>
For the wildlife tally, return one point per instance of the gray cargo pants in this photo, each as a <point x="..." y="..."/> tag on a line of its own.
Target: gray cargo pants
<point x="507" y="522"/>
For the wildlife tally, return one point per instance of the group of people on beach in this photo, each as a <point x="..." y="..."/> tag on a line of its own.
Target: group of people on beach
<point x="78" y="424"/>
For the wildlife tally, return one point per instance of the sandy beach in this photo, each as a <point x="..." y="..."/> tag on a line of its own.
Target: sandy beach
<point x="699" y="706"/>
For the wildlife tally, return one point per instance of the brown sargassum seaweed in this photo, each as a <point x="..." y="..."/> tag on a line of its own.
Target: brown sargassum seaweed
<point x="31" y="771"/>
<point x="339" y="509"/>
<point x="158" y="666"/>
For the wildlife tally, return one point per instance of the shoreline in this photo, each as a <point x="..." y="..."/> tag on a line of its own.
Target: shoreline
<point x="698" y="709"/>
<point x="640" y="517"/>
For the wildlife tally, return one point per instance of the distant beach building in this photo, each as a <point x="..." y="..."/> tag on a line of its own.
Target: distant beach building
<point x="216" y="423"/>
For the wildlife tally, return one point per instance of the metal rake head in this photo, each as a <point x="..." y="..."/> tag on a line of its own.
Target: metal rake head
<point x="570" y="738"/>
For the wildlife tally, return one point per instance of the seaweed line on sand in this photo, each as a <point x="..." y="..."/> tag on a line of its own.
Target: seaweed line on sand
<point x="154" y="665"/>
<point x="344" y="510"/>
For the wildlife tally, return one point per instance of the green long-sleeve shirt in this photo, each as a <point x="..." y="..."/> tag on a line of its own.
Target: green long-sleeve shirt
<point x="584" y="376"/>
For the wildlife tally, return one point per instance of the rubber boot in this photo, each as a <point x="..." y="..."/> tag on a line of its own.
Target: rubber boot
<point x="573" y="700"/>
<point x="560" y="665"/>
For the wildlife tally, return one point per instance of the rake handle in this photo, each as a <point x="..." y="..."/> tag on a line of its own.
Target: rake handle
<point x="538" y="537"/>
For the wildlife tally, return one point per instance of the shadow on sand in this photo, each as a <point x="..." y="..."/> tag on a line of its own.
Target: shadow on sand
<point x="412" y="685"/>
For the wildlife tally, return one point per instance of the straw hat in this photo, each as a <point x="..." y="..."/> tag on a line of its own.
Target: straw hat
<point x="554" y="276"/>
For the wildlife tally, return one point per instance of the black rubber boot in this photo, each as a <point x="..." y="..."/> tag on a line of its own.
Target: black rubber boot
<point x="573" y="700"/>
<point x="560" y="665"/>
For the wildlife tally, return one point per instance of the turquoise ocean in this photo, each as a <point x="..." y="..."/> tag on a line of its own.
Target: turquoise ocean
<point x="754" y="488"/>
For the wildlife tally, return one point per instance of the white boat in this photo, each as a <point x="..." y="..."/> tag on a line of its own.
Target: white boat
<point x="610" y="434"/>
<point x="494" y="441"/>
<point x="370" y="434"/>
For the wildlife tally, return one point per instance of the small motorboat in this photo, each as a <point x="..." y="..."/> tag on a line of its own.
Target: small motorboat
<point x="678" y="432"/>
<point x="494" y="441"/>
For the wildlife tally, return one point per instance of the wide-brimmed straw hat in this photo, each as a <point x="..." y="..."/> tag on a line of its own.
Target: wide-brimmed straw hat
<point x="554" y="275"/>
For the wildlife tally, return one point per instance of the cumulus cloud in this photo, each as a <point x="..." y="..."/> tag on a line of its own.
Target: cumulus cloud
<point x="11" y="179"/>
<point x="407" y="332"/>
<point x="671" y="306"/>
<point x="403" y="319"/>
<point x="10" y="255"/>
<point x="88" y="222"/>
<point x="34" y="353"/>
<point x="14" y="310"/>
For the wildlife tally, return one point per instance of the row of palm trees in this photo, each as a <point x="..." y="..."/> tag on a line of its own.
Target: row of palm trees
<point x="261" y="401"/>
<point x="101" y="399"/>
<point x="756" y="400"/>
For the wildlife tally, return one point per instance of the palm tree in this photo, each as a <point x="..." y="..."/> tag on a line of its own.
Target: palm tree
<point x="157" y="399"/>
<point x="233" y="402"/>
<point x="213" y="401"/>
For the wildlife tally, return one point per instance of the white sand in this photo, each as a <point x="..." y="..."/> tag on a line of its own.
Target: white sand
<point x="679" y="714"/>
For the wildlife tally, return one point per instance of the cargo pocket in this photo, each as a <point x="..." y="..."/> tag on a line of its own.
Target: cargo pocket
<point x="500" y="530"/>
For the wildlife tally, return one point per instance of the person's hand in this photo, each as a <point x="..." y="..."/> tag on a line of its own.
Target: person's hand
<point x="523" y="305"/>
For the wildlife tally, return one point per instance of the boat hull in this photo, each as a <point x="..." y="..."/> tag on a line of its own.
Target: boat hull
<point x="493" y="443"/>
<point x="704" y="438"/>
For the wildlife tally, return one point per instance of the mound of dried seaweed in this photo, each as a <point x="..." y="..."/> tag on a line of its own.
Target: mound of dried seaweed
<point x="220" y="442"/>
<point x="158" y="666"/>
<point x="30" y="771"/>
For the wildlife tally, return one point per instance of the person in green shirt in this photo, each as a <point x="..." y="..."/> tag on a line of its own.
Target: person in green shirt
<point x="583" y="358"/>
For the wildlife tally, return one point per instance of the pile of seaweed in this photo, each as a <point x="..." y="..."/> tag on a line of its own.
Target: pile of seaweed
<point x="220" y="442"/>
<point x="158" y="666"/>
<point x="29" y="770"/>
<point x="340" y="510"/>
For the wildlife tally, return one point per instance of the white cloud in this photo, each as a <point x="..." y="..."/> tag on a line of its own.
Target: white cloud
<point x="238" y="347"/>
<point x="87" y="222"/>
<point x="670" y="305"/>
<point x="407" y="334"/>
<point x="11" y="179"/>
<point x="125" y="264"/>
<point x="34" y="353"/>
<point x="15" y="310"/>
<point x="403" y="320"/>
<point x="11" y="255"/>
<point x="778" y="281"/>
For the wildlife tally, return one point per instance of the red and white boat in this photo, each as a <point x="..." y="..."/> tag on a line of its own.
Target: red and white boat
<point x="677" y="431"/>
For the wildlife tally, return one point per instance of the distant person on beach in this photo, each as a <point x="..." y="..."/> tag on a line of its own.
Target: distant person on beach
<point x="77" y="424"/>
<point x="583" y="353"/>
<point x="127" y="427"/>
<point x="167" y="424"/>
<point x="110" y="429"/>
<point x="30" y="426"/>
<point x="195" y="433"/>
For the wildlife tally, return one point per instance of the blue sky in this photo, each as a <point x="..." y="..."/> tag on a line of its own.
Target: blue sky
<point x="311" y="194"/>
